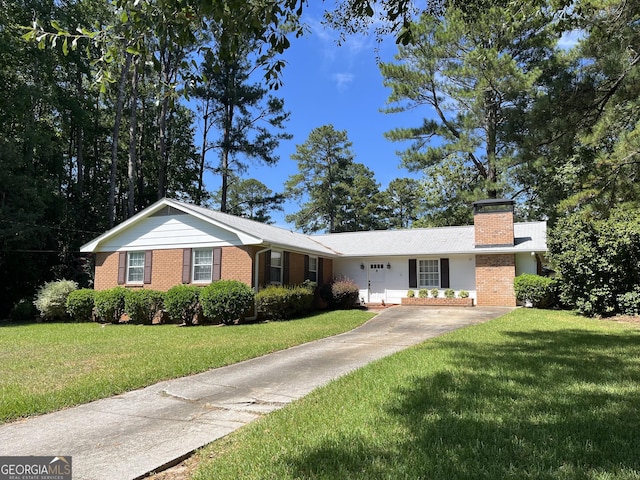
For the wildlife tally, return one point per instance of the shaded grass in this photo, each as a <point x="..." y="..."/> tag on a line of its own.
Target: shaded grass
<point x="532" y="395"/>
<point x="45" y="367"/>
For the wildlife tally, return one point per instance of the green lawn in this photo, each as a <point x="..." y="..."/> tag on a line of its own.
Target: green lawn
<point x="46" y="367"/>
<point x="532" y="395"/>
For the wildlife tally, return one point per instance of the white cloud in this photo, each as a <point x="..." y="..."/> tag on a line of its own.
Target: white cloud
<point x="342" y="80"/>
<point x="570" y="39"/>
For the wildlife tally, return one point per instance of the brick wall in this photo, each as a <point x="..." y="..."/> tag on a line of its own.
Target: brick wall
<point x="493" y="228"/>
<point x="167" y="268"/>
<point x="296" y="268"/>
<point x="237" y="264"/>
<point x="494" y="280"/>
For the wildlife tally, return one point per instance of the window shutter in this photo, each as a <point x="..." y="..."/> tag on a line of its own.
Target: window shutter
<point x="285" y="268"/>
<point x="306" y="267"/>
<point x="186" y="265"/>
<point x="148" y="259"/>
<point x="216" y="273"/>
<point x="122" y="268"/>
<point x="413" y="273"/>
<point x="267" y="267"/>
<point x="444" y="273"/>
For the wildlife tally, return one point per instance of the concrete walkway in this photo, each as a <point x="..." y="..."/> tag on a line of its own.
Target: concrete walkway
<point x="130" y="435"/>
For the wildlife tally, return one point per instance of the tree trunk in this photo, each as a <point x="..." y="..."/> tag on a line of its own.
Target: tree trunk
<point x="114" y="140"/>
<point x="133" y="134"/>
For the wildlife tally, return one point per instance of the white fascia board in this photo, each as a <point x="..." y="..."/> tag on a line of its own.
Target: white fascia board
<point x="92" y="246"/>
<point x="245" y="238"/>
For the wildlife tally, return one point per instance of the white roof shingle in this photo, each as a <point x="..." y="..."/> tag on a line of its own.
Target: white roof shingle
<point x="529" y="237"/>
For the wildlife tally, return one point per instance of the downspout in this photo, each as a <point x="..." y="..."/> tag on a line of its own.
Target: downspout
<point x="256" y="280"/>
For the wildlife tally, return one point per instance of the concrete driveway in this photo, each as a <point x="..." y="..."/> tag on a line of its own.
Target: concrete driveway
<point x="130" y="435"/>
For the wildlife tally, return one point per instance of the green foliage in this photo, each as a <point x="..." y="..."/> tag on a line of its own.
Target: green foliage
<point x="23" y="310"/>
<point x="539" y="291"/>
<point x="335" y="193"/>
<point x="283" y="302"/>
<point x="340" y="293"/>
<point x="142" y="305"/>
<point x="109" y="304"/>
<point x="182" y="303"/>
<point x="411" y="294"/>
<point x="449" y="293"/>
<point x="51" y="299"/>
<point x="463" y="294"/>
<point x="80" y="304"/>
<point x="629" y="303"/>
<point x="435" y="292"/>
<point x="423" y="293"/>
<point x="226" y="300"/>
<point x="597" y="259"/>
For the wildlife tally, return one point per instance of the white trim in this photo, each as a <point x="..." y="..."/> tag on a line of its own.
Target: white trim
<point x="128" y="281"/>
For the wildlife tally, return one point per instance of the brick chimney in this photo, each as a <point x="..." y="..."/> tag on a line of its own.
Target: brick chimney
<point x="493" y="222"/>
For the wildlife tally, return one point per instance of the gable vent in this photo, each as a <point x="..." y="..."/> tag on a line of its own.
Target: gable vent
<point x="168" y="210"/>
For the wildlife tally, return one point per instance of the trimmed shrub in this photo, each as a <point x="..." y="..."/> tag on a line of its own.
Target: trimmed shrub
<point x="283" y="303"/>
<point x="182" y="303"/>
<point x="423" y="293"/>
<point x="411" y="294"/>
<point x="435" y="292"/>
<point x="51" y="299"/>
<point x="142" y="305"/>
<point x="226" y="300"/>
<point x="109" y="304"/>
<point x="630" y="302"/>
<point x="340" y="293"/>
<point x="449" y="293"/>
<point x="23" y="310"/>
<point x="80" y="304"/>
<point x="537" y="290"/>
<point x="463" y="294"/>
<point x="597" y="259"/>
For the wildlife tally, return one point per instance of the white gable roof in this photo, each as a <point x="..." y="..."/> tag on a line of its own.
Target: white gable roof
<point x="209" y="227"/>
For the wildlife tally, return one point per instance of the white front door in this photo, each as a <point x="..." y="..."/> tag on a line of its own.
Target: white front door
<point x="377" y="291"/>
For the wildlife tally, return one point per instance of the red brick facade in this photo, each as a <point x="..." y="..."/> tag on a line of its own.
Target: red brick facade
<point x="236" y="264"/>
<point x="493" y="228"/>
<point x="494" y="280"/>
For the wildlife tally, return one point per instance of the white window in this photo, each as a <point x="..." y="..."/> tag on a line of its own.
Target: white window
<point x="275" y="274"/>
<point x="313" y="269"/>
<point x="202" y="265"/>
<point x="135" y="267"/>
<point x="428" y="273"/>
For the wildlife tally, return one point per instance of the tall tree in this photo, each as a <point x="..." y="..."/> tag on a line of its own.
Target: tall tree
<point x="248" y="122"/>
<point x="467" y="72"/>
<point x="252" y="199"/>
<point x="402" y="202"/>
<point x="333" y="190"/>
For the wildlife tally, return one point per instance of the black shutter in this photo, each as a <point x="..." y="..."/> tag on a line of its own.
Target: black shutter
<point x="186" y="265"/>
<point x="122" y="268"/>
<point x="306" y="267"/>
<point x="285" y="268"/>
<point x="413" y="273"/>
<point x="444" y="273"/>
<point x="267" y="267"/>
<point x="216" y="273"/>
<point x="148" y="259"/>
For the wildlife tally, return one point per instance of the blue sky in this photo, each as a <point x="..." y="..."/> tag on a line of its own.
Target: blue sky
<point x="326" y="83"/>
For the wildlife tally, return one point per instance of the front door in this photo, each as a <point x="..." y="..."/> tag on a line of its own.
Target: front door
<point x="377" y="292"/>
